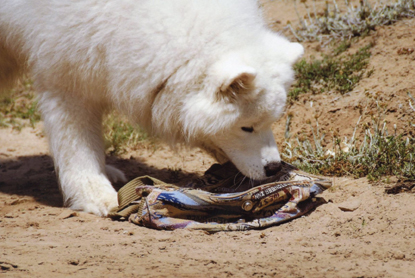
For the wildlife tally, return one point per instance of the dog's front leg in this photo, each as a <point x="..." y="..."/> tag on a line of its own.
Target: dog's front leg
<point x="74" y="129"/>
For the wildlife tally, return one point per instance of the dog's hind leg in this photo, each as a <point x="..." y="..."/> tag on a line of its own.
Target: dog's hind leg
<point x="74" y="129"/>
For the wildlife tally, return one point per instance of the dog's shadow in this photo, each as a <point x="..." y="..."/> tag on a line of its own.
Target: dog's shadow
<point x="34" y="176"/>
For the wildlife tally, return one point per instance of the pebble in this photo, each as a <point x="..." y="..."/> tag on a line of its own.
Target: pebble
<point x="398" y="255"/>
<point x="73" y="262"/>
<point x="351" y="204"/>
<point x="67" y="214"/>
<point x="4" y="267"/>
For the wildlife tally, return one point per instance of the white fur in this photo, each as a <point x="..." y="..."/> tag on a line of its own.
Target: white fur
<point x="187" y="71"/>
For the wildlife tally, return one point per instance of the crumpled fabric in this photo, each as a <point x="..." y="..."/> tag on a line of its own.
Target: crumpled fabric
<point x="244" y="205"/>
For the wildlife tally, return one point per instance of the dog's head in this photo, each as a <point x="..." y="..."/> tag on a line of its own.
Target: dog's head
<point x="244" y="92"/>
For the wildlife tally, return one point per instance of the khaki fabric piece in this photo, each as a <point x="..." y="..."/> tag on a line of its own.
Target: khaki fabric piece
<point x="128" y="200"/>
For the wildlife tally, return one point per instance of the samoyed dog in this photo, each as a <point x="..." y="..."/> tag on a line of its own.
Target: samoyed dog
<point x="207" y="73"/>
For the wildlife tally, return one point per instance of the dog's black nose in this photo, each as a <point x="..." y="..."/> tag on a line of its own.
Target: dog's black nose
<point x="272" y="168"/>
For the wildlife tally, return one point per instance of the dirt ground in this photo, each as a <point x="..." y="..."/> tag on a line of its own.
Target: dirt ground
<point x="373" y="237"/>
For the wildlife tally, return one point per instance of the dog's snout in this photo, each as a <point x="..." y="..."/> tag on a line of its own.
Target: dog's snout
<point x="272" y="168"/>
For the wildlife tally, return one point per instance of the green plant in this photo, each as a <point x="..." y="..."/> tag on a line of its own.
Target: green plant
<point x="411" y="100"/>
<point x="378" y="154"/>
<point x="335" y="72"/>
<point x="18" y="107"/>
<point x="343" y="46"/>
<point x="119" y="134"/>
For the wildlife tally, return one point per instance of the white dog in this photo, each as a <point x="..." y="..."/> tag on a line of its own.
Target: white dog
<point x="208" y="73"/>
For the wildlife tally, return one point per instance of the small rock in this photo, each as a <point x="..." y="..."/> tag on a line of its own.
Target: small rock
<point x="334" y="110"/>
<point x="19" y="201"/>
<point x="405" y="51"/>
<point x="398" y="255"/>
<point x="32" y="224"/>
<point x="351" y="204"/>
<point x="5" y="267"/>
<point x="73" y="262"/>
<point x="67" y="214"/>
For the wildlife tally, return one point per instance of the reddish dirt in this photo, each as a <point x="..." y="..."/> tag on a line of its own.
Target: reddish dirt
<point x="39" y="238"/>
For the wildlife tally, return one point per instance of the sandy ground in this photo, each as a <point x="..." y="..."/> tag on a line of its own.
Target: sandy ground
<point x="361" y="231"/>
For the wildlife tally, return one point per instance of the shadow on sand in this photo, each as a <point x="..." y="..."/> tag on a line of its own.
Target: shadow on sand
<point x="35" y="176"/>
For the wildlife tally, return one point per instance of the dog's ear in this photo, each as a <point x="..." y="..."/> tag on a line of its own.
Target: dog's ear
<point x="295" y="52"/>
<point x="233" y="77"/>
<point x="241" y="76"/>
<point x="283" y="49"/>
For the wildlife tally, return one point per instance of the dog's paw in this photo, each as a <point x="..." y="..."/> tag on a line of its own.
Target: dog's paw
<point x="90" y="193"/>
<point x="115" y="175"/>
<point x="103" y="205"/>
<point x="100" y="205"/>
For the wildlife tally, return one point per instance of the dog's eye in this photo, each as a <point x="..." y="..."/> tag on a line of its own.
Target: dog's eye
<point x="248" y="129"/>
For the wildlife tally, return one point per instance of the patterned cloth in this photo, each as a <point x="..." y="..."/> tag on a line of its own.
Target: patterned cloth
<point x="289" y="194"/>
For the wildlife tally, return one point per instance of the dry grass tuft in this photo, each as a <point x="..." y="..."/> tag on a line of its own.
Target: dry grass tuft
<point x="356" y="21"/>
